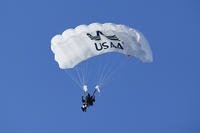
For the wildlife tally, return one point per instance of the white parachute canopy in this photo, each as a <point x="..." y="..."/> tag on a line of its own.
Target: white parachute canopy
<point x="85" y="41"/>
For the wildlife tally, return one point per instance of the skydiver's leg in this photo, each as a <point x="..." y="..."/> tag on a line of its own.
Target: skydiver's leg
<point x="83" y="109"/>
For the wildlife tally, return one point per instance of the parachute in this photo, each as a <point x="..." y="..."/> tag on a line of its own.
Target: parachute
<point x="76" y="48"/>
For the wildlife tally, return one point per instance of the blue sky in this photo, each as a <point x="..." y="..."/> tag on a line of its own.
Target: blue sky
<point x="162" y="97"/>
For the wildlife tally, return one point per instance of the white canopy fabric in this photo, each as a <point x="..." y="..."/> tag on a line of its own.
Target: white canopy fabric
<point x="86" y="41"/>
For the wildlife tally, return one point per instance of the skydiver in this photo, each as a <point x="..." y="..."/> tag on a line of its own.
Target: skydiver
<point x="88" y="100"/>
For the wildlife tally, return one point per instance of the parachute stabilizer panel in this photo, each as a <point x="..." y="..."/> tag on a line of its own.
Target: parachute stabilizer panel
<point x="86" y="41"/>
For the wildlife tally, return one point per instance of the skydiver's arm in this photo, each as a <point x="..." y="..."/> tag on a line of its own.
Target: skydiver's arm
<point x="83" y="99"/>
<point x="93" y="98"/>
<point x="94" y="92"/>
